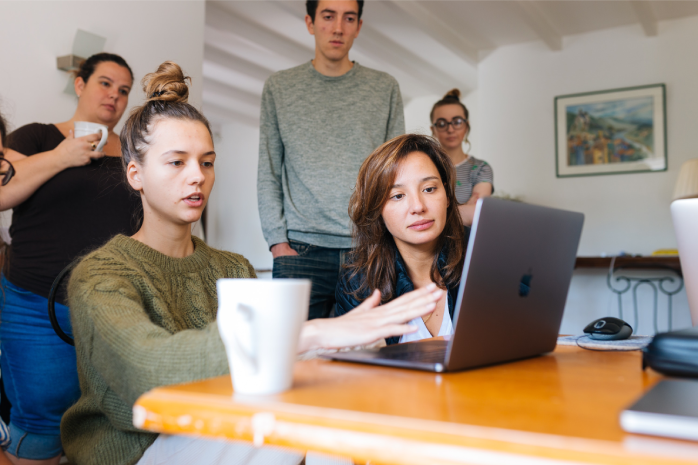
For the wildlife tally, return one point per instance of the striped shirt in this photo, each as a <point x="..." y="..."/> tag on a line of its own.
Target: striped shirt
<point x="469" y="172"/>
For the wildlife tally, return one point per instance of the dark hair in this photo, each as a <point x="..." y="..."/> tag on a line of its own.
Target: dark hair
<point x="167" y="92"/>
<point x="3" y="130"/>
<point x="87" y="67"/>
<point x="311" y="7"/>
<point x="452" y="97"/>
<point x="374" y="250"/>
<point x="3" y="246"/>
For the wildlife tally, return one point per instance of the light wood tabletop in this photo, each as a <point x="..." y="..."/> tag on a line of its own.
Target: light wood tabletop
<point x="559" y="408"/>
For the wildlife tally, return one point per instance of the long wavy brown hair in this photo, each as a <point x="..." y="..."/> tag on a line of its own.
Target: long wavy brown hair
<point x="373" y="256"/>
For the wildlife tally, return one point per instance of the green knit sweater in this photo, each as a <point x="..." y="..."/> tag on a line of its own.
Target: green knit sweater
<point x="140" y="320"/>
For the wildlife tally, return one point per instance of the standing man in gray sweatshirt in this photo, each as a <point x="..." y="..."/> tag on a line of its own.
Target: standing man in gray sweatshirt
<point x="319" y="122"/>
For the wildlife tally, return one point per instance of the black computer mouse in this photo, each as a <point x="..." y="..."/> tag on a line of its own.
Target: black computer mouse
<point x="608" y="329"/>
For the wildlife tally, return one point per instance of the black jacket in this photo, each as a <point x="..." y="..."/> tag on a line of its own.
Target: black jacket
<point x="345" y="287"/>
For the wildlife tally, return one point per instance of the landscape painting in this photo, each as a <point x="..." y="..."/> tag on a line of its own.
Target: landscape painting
<point x="610" y="132"/>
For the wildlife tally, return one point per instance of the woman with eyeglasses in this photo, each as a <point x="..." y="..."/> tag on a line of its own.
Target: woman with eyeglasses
<point x="474" y="177"/>
<point x="67" y="199"/>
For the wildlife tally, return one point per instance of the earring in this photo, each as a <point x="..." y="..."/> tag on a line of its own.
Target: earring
<point x="466" y="141"/>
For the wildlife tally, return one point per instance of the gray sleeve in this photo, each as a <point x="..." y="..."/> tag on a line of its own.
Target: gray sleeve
<point x="270" y="196"/>
<point x="396" y="122"/>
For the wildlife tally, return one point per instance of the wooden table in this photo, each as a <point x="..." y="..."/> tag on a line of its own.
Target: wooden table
<point x="559" y="408"/>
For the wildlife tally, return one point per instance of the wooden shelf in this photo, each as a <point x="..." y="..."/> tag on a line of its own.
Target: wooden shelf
<point x="658" y="261"/>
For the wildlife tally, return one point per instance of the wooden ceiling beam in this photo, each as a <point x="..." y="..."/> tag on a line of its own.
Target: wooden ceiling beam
<point x="222" y="115"/>
<point x="223" y="58"/>
<point x="232" y="92"/>
<point x="645" y="14"/>
<point x="224" y="20"/>
<point x="383" y="49"/>
<point x="440" y="31"/>
<point x="536" y="20"/>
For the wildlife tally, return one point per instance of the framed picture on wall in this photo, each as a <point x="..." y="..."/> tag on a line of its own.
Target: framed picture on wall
<point x="611" y="131"/>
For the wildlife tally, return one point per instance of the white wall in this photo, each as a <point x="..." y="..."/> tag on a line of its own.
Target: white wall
<point x="233" y="220"/>
<point x="515" y="133"/>
<point x="33" y="34"/>
<point x="627" y="212"/>
<point x="513" y="129"/>
<point x="417" y="114"/>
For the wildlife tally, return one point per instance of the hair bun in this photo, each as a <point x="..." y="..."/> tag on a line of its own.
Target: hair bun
<point x="452" y="94"/>
<point x="167" y="84"/>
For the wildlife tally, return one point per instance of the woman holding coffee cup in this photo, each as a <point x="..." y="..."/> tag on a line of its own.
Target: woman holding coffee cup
<point x="407" y="231"/>
<point x="68" y="197"/>
<point x="144" y="307"/>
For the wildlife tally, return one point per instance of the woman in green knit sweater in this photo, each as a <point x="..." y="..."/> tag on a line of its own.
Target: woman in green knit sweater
<point x="143" y="308"/>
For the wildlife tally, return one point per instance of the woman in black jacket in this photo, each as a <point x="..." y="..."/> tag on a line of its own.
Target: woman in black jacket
<point x="407" y="231"/>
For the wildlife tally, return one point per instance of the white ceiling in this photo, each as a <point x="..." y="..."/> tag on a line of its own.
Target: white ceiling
<point x="428" y="46"/>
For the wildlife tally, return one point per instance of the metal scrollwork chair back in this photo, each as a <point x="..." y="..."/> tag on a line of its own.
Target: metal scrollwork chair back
<point x="52" y="302"/>
<point x="656" y="283"/>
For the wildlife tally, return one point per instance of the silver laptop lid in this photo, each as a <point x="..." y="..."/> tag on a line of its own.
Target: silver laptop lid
<point x="517" y="272"/>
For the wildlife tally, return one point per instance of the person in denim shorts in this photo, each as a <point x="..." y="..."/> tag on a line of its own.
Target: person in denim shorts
<point x="67" y="198"/>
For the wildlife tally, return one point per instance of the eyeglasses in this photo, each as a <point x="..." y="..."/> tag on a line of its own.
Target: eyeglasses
<point x="442" y="125"/>
<point x="6" y="169"/>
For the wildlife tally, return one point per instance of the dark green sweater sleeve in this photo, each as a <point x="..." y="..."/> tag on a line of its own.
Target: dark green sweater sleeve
<point x="129" y="351"/>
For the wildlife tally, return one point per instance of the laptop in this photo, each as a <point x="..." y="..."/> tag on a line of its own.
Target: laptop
<point x="517" y="272"/>
<point x="668" y="409"/>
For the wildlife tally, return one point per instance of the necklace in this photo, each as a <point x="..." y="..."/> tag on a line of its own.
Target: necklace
<point x="428" y="318"/>
<point x="436" y="311"/>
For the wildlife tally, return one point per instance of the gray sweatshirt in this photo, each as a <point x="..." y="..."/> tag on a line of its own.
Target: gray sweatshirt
<point x="315" y="132"/>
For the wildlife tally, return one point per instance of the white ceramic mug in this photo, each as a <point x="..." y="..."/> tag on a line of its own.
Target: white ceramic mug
<point x="84" y="128"/>
<point x="260" y="322"/>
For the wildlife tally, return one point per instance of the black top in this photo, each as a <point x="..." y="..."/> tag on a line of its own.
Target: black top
<point x="345" y="287"/>
<point x="71" y="214"/>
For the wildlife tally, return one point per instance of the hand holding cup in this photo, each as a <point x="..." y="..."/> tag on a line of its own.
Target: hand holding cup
<point x="79" y="151"/>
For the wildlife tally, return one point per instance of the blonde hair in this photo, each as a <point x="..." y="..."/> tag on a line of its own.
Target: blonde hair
<point x="167" y="94"/>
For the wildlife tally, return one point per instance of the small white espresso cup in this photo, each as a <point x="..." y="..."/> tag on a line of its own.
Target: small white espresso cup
<point x="84" y="128"/>
<point x="260" y="322"/>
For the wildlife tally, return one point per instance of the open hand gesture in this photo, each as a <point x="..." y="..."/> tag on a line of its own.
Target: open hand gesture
<point x="370" y="321"/>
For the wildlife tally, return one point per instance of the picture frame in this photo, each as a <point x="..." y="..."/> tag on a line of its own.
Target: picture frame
<point x="614" y="131"/>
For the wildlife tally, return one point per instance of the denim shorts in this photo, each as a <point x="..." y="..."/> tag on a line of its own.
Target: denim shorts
<point x="39" y="372"/>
